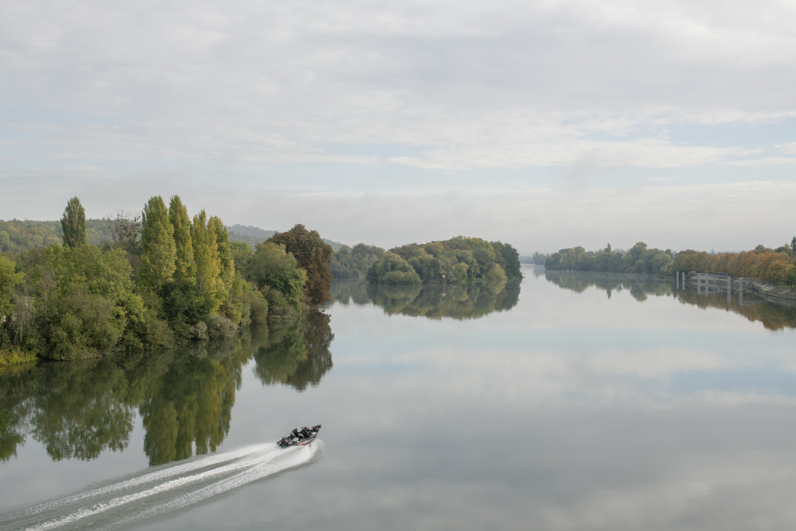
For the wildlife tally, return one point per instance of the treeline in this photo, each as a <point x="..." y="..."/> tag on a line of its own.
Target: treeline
<point x="354" y="262"/>
<point x="537" y="258"/>
<point x="639" y="259"/>
<point x="459" y="260"/>
<point x="165" y="278"/>
<point x="775" y="266"/>
<point x="255" y="235"/>
<point x="20" y="236"/>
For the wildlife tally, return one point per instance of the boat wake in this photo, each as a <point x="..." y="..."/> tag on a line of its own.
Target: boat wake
<point x="160" y="492"/>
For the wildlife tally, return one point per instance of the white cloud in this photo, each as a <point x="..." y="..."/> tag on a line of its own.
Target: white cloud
<point x="503" y="84"/>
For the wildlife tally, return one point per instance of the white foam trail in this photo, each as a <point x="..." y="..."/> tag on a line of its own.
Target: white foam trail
<point x="284" y="461"/>
<point x="122" y="500"/>
<point x="242" y="466"/>
<point x="138" y="481"/>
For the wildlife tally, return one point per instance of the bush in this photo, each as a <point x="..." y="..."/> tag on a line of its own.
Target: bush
<point x="219" y="327"/>
<point x="198" y="331"/>
<point x="258" y="309"/>
<point x="392" y="269"/>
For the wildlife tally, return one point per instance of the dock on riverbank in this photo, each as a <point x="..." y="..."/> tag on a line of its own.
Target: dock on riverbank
<point x="776" y="294"/>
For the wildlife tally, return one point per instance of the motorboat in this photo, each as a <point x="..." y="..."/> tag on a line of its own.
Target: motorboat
<point x="300" y="437"/>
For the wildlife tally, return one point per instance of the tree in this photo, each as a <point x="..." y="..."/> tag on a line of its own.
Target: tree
<point x="157" y="240"/>
<point x="8" y="279"/>
<point x="392" y="269"/>
<point x="208" y="265"/>
<point x="313" y="255"/>
<point x="793" y="244"/>
<point x="127" y="232"/>
<point x="73" y="223"/>
<point x="509" y="259"/>
<point x="279" y="278"/>
<point x="185" y="267"/>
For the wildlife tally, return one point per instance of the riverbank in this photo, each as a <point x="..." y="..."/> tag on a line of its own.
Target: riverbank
<point x="776" y="294"/>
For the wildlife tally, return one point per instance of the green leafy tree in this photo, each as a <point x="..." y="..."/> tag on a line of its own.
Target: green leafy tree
<point x="392" y="269"/>
<point x="313" y="255"/>
<point x="8" y="279"/>
<point x="279" y="278"/>
<point x="185" y="266"/>
<point x="73" y="223"/>
<point x="159" y="250"/>
<point x="354" y="263"/>
<point x="208" y="263"/>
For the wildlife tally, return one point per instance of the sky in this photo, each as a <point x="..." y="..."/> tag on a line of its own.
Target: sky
<point x="542" y="124"/>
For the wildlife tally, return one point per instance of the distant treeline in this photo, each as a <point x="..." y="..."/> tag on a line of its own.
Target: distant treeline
<point x="19" y="236"/>
<point x="537" y="258"/>
<point x="255" y="235"/>
<point x="161" y="278"/>
<point x="639" y="259"/>
<point x="768" y="265"/>
<point x="459" y="260"/>
<point x="354" y="262"/>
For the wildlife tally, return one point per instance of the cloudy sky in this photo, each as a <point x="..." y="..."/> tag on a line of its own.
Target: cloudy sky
<point x="544" y="124"/>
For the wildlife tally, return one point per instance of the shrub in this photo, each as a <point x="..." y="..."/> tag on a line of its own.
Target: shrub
<point x="198" y="331"/>
<point x="219" y="327"/>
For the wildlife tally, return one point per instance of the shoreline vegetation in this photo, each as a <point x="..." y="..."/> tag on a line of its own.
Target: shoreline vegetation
<point x="163" y="279"/>
<point x="773" y="266"/>
<point x="80" y="289"/>
<point x="460" y="260"/>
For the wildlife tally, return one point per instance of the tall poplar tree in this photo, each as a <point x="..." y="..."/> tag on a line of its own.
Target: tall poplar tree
<point x="208" y="265"/>
<point x="157" y="239"/>
<point x="74" y="224"/>
<point x="185" y="266"/>
<point x="226" y="261"/>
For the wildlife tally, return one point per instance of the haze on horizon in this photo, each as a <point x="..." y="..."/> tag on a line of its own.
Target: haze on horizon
<point x="544" y="125"/>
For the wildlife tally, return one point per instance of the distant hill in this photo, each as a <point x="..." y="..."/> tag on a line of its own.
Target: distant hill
<point x="255" y="235"/>
<point x="248" y="230"/>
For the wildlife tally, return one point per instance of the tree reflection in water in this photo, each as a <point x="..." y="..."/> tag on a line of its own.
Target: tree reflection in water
<point x="771" y="316"/>
<point x="297" y="354"/>
<point x="184" y="396"/>
<point x="434" y="301"/>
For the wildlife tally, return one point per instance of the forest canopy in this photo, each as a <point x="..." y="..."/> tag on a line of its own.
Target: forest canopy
<point x="459" y="260"/>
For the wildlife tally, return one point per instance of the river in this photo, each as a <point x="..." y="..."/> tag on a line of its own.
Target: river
<point x="568" y="401"/>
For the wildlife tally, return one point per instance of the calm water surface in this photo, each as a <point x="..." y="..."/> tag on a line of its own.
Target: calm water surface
<point x="571" y="401"/>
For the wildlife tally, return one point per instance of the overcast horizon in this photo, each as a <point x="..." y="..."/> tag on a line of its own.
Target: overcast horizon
<point x="543" y="125"/>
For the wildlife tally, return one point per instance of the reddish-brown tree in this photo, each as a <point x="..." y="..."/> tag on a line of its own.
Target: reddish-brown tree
<point x="313" y="255"/>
